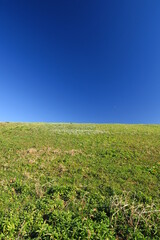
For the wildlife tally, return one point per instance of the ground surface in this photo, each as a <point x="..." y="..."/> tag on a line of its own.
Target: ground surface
<point x="72" y="181"/>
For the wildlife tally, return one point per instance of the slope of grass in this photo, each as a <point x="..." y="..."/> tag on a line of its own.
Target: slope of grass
<point x="79" y="181"/>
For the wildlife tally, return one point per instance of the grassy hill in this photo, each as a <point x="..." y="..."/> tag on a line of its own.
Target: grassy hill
<point x="79" y="181"/>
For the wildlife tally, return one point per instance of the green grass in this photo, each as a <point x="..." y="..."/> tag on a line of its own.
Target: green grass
<point x="79" y="181"/>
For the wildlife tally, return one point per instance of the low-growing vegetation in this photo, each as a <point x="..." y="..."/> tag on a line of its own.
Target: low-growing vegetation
<point x="79" y="181"/>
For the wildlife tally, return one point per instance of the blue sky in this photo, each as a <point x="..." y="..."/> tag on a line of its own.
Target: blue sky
<point x="80" y="61"/>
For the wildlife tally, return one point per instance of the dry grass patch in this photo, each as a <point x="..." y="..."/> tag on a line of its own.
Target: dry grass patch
<point x="47" y="151"/>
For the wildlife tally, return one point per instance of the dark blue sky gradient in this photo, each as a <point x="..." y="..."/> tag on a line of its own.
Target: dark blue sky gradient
<point x="80" y="61"/>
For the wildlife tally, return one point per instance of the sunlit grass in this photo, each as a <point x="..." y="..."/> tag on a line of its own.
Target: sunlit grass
<point x="58" y="181"/>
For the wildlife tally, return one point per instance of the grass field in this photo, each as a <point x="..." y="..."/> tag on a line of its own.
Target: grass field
<point x="79" y="181"/>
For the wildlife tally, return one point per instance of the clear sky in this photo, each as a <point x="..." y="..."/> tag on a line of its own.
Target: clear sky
<point x="80" y="61"/>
